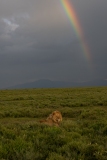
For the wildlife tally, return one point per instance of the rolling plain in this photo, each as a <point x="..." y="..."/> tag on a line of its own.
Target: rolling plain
<point x="82" y="134"/>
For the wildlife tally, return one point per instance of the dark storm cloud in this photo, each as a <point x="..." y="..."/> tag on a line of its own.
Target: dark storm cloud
<point x="37" y="41"/>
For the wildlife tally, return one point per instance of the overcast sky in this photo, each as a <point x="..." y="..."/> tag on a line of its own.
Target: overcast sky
<point x="38" y="41"/>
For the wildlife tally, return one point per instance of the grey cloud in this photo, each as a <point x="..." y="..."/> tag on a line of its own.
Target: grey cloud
<point x="37" y="40"/>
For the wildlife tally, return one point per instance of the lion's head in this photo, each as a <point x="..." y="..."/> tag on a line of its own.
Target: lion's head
<point x="56" y="117"/>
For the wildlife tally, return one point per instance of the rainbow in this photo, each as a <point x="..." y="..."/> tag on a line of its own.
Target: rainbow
<point x="70" y="11"/>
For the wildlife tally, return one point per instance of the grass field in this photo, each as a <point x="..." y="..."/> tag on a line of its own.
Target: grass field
<point x="82" y="134"/>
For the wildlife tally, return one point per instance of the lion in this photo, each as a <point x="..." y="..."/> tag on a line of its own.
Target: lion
<point x="54" y="119"/>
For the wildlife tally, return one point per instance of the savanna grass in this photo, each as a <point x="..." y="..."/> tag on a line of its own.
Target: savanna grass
<point x="81" y="135"/>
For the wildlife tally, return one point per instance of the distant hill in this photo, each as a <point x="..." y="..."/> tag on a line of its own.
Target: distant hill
<point x="45" y="83"/>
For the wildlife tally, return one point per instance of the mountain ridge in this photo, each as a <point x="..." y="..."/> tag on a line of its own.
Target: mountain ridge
<point x="46" y="83"/>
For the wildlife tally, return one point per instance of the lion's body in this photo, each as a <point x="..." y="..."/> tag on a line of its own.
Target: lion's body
<point x="53" y="119"/>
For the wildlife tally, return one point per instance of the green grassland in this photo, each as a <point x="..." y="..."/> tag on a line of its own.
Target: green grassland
<point x="82" y="134"/>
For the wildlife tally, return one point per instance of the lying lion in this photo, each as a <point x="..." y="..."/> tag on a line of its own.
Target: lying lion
<point x="54" y="119"/>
